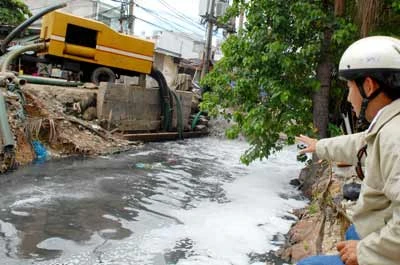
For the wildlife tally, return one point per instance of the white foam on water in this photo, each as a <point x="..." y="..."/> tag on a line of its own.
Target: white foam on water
<point x="56" y="243"/>
<point x="225" y="233"/>
<point x="143" y="153"/>
<point x="210" y="233"/>
<point x="110" y="217"/>
<point x="20" y="213"/>
<point x="8" y="229"/>
<point x="28" y="202"/>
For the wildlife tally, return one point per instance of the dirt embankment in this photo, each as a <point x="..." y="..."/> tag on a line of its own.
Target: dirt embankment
<point x="62" y="119"/>
<point x="324" y="221"/>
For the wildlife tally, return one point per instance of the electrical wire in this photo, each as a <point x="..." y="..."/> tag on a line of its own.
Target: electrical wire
<point x="176" y="17"/>
<point x="93" y="15"/>
<point x="178" y="13"/>
<point x="150" y="23"/>
<point x="171" y="12"/>
<point x="172" y="24"/>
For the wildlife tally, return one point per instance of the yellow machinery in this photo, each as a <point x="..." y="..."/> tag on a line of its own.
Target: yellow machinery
<point x="90" y="47"/>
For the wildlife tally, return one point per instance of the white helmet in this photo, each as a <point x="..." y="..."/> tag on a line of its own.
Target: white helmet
<point x="377" y="56"/>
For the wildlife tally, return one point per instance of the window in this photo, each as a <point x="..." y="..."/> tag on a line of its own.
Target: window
<point x="81" y="36"/>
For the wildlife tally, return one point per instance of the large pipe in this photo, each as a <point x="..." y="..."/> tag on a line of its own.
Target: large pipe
<point x="164" y="98"/>
<point x="179" y="115"/>
<point x="6" y="134"/>
<point x="26" y="23"/>
<point x="12" y="55"/>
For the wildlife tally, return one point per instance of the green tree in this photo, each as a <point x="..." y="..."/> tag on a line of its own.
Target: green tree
<point x="13" y="12"/>
<point x="379" y="17"/>
<point x="279" y="73"/>
<point x="271" y="71"/>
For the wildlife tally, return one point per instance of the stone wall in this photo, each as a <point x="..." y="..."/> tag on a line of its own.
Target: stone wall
<point x="323" y="223"/>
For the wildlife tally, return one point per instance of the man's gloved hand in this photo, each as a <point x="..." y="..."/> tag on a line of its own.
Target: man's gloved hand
<point x="348" y="251"/>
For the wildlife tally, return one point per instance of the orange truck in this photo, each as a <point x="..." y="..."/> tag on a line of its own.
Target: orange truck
<point x="91" y="49"/>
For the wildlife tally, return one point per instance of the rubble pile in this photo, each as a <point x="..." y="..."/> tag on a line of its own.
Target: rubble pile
<point x="62" y="119"/>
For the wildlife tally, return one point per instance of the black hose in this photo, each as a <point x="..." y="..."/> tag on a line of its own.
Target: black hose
<point x="26" y="23"/>
<point x="196" y="120"/>
<point x="165" y="98"/>
<point x="179" y="114"/>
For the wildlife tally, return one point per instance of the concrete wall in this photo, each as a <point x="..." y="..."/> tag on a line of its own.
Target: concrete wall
<point x="129" y="107"/>
<point x="170" y="69"/>
<point x="135" y="108"/>
<point x="165" y="63"/>
<point x="159" y="61"/>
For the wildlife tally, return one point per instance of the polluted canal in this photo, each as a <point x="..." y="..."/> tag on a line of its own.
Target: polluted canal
<point x="188" y="202"/>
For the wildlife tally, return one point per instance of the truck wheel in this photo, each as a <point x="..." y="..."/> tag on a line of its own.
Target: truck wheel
<point x="103" y="74"/>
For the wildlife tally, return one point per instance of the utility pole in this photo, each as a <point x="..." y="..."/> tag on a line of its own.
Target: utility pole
<point x="131" y="18"/>
<point x="210" y="26"/>
<point x="122" y="17"/>
<point x="241" y="19"/>
<point x="96" y="9"/>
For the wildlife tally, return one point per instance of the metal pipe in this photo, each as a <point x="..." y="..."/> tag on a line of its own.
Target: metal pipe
<point x="27" y="23"/>
<point x="49" y="81"/>
<point x="8" y="137"/>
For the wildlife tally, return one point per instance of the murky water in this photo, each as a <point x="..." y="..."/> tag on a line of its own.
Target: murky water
<point x="184" y="203"/>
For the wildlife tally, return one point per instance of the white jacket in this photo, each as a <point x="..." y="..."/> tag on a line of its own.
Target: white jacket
<point x="377" y="212"/>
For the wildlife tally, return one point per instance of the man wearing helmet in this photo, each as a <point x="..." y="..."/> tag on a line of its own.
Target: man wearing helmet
<point x="371" y="67"/>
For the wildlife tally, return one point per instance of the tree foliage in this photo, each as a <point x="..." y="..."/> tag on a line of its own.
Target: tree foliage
<point x="13" y="12"/>
<point x="268" y="74"/>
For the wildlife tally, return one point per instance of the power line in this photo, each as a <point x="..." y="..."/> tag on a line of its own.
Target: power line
<point x="150" y="23"/>
<point x="165" y="20"/>
<point x="191" y="22"/>
<point x="160" y="18"/>
<point x="181" y="16"/>
<point x="102" y="12"/>
<point x="176" y="14"/>
<point x="186" y="35"/>
<point x="174" y="10"/>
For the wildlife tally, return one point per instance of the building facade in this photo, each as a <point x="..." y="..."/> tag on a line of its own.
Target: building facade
<point x="94" y="9"/>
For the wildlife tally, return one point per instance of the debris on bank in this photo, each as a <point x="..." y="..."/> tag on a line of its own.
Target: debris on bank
<point x="50" y="121"/>
<point x="48" y="115"/>
<point x="324" y="221"/>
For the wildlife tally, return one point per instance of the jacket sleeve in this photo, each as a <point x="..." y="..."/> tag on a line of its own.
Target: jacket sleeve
<point x="341" y="148"/>
<point x="383" y="246"/>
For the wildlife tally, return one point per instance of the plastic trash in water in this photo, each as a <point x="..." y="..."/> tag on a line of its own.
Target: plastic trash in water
<point x="140" y="165"/>
<point x="149" y="165"/>
<point x="40" y="150"/>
